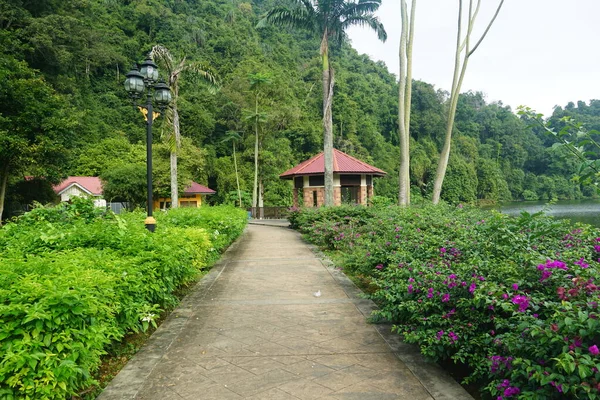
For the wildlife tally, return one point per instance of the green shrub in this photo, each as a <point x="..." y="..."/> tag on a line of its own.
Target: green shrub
<point x="74" y="280"/>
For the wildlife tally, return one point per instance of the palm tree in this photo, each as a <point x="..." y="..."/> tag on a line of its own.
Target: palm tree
<point x="233" y="137"/>
<point x="258" y="81"/>
<point x="163" y="57"/>
<point x="328" y="19"/>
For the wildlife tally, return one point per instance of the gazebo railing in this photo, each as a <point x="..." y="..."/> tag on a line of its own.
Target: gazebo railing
<point x="268" y="212"/>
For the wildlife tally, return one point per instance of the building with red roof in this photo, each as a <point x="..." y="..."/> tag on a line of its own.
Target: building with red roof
<point x="352" y="180"/>
<point x="81" y="186"/>
<point x="92" y="186"/>
<point x="191" y="197"/>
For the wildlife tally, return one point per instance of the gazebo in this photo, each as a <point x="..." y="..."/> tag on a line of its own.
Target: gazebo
<point x="352" y="180"/>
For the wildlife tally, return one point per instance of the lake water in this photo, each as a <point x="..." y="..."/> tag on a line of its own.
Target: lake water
<point x="586" y="211"/>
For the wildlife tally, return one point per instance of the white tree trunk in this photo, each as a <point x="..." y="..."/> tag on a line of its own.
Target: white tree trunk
<point x="404" y="186"/>
<point x="261" y="205"/>
<point x="3" y="184"/>
<point x="255" y="187"/>
<point x="173" y="159"/>
<point x="328" y="81"/>
<point x="459" y="74"/>
<point x="237" y="176"/>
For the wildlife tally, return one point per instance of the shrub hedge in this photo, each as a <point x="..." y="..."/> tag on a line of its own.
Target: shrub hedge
<point x="74" y="279"/>
<point x="514" y="299"/>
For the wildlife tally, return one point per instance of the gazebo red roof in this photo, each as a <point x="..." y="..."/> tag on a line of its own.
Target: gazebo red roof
<point x="342" y="164"/>
<point x="196" y="188"/>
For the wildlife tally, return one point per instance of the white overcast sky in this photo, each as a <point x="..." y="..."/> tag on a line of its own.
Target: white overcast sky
<point x="538" y="53"/>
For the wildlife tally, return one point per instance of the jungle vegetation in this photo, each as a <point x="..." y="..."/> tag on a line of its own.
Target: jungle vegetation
<point x="64" y="110"/>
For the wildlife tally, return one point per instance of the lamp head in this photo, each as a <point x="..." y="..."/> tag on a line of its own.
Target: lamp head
<point x="149" y="71"/>
<point x="134" y="83"/>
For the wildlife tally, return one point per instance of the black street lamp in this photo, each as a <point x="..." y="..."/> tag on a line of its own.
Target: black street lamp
<point x="136" y="83"/>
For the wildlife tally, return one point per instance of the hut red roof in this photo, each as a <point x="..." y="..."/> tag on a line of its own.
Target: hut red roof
<point x="196" y="188"/>
<point x="90" y="184"/>
<point x="342" y="164"/>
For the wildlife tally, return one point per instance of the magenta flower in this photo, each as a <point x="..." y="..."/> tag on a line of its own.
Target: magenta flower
<point x="515" y="286"/>
<point x="445" y="298"/>
<point x="430" y="293"/>
<point x="443" y="249"/>
<point x="472" y="288"/>
<point x="452" y="336"/>
<point x="511" y="391"/>
<point x="521" y="301"/>
<point x="594" y="350"/>
<point x="410" y="289"/>
<point x="582" y="263"/>
<point x="379" y="266"/>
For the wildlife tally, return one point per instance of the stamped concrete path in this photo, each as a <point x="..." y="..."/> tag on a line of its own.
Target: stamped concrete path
<point x="254" y="329"/>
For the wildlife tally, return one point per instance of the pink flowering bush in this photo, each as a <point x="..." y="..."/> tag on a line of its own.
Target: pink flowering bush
<point x="513" y="299"/>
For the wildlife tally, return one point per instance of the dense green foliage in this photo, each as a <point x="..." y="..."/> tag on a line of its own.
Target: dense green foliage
<point x="515" y="299"/>
<point x="65" y="110"/>
<point x="74" y="280"/>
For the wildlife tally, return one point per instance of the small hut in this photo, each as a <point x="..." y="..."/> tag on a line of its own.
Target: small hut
<point x="352" y="180"/>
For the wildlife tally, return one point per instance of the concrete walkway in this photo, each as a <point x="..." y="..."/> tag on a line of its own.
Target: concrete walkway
<point x="254" y="329"/>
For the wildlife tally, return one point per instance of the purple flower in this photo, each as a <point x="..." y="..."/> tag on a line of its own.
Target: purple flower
<point x="430" y="293"/>
<point x="582" y="263"/>
<point x="505" y="296"/>
<point x="439" y="335"/>
<point x="521" y="301"/>
<point x="558" y="387"/>
<point x="410" y="289"/>
<point x="411" y="280"/>
<point x="445" y="298"/>
<point x="443" y="249"/>
<point x="472" y="288"/>
<point x="594" y="350"/>
<point x="511" y="391"/>
<point x="545" y="275"/>
<point x="379" y="266"/>
<point x="515" y="286"/>
<point x="452" y="336"/>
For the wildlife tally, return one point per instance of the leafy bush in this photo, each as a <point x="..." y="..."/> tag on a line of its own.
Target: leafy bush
<point x="515" y="299"/>
<point x="74" y="280"/>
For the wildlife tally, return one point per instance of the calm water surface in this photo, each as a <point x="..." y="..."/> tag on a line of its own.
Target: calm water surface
<point x="586" y="211"/>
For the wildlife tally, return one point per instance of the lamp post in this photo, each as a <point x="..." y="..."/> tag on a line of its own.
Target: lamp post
<point x="136" y="83"/>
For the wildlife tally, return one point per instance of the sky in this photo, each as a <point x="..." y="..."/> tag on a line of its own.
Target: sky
<point x="538" y="53"/>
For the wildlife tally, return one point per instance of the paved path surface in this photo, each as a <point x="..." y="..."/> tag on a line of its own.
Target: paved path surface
<point x="253" y="329"/>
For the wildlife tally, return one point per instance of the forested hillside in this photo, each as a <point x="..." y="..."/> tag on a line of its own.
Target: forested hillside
<point x="64" y="110"/>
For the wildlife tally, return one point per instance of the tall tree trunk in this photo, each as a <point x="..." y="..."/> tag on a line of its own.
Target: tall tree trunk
<point x="408" y="99"/>
<point x="173" y="158"/>
<point x="459" y="74"/>
<point x="3" y="184"/>
<point x="237" y="176"/>
<point x="261" y="194"/>
<point x="255" y="187"/>
<point x="328" y="80"/>
<point x="404" y="188"/>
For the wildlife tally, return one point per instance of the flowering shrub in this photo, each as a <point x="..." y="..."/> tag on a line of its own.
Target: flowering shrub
<point x="514" y="299"/>
<point x="73" y="280"/>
